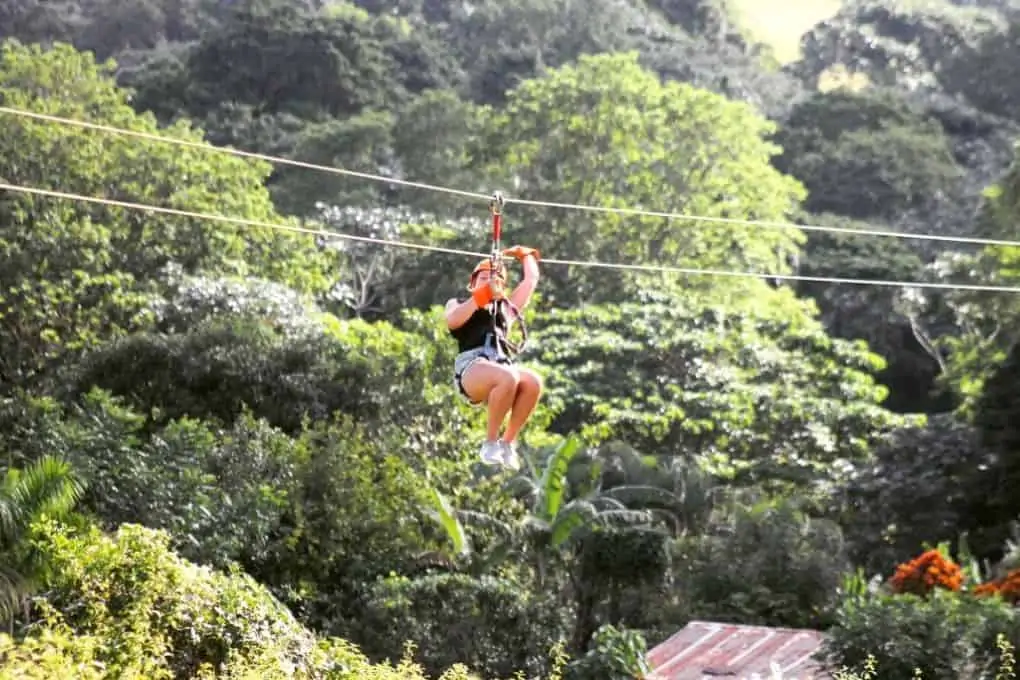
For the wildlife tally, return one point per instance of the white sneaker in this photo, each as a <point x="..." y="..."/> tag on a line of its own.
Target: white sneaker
<point x="510" y="458"/>
<point x="492" y="453"/>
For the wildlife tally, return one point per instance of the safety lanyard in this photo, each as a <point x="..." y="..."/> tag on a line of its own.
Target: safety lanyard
<point x="496" y="258"/>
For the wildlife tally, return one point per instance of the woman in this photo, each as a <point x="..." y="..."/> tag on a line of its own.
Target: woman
<point x="483" y="373"/>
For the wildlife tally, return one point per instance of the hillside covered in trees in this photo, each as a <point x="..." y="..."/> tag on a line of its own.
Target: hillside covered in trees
<point x="235" y="450"/>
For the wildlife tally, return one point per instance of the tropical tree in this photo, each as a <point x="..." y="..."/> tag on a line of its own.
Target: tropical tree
<point x="45" y="488"/>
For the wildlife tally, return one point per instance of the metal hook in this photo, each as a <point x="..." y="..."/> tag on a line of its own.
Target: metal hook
<point x="496" y="204"/>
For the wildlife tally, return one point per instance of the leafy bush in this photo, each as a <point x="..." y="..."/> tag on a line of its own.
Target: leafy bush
<point x="614" y="655"/>
<point x="56" y="652"/>
<point x="769" y="565"/>
<point x="124" y="605"/>
<point x="947" y="635"/>
<point x="158" y="613"/>
<point x="492" y="625"/>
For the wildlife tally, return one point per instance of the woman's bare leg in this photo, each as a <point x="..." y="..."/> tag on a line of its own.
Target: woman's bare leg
<point x="495" y="384"/>
<point x="529" y="389"/>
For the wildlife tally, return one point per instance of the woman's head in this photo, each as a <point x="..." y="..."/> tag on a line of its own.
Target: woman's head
<point x="484" y="272"/>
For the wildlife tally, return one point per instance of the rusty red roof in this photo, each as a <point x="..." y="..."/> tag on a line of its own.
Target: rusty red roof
<point x="735" y="652"/>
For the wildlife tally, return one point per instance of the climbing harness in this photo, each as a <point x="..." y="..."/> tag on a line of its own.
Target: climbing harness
<point x="496" y="341"/>
<point x="497" y="346"/>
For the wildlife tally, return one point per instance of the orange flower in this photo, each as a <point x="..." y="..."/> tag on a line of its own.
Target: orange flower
<point x="926" y="572"/>
<point x="1007" y="586"/>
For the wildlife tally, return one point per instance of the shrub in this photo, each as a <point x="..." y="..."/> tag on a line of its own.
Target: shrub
<point x="492" y="625"/>
<point x="769" y="565"/>
<point x="124" y="605"/>
<point x="56" y="652"/>
<point x="945" y="634"/>
<point x="1007" y="587"/>
<point x="614" y="655"/>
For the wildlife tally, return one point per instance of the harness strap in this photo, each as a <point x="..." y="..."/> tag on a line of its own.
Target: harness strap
<point x="503" y="338"/>
<point x="502" y="341"/>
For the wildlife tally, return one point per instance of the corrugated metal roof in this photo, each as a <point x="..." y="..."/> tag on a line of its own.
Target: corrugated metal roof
<point x="708" y="651"/>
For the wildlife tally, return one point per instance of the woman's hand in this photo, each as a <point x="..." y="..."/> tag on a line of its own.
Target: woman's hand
<point x="522" y="252"/>
<point x="487" y="292"/>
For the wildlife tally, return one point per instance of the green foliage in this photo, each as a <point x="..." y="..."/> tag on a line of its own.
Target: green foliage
<point x="766" y="398"/>
<point x="159" y="615"/>
<point x="283" y="59"/>
<point x="124" y="604"/>
<point x="868" y="156"/>
<point x="217" y="369"/>
<point x="945" y="635"/>
<point x="99" y="262"/>
<point x="221" y="495"/>
<point x="107" y="28"/>
<point x="928" y="482"/>
<point x="314" y="516"/>
<point x="492" y="625"/>
<point x="895" y="42"/>
<point x="975" y="70"/>
<point x="769" y="564"/>
<point x="192" y="301"/>
<point x="361" y="143"/>
<point x="875" y="314"/>
<point x="357" y="514"/>
<point x="614" y="655"/>
<point x="143" y="171"/>
<point x="45" y="488"/>
<point x="607" y="132"/>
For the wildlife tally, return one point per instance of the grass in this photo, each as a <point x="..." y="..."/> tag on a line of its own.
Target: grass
<point x="781" y="23"/>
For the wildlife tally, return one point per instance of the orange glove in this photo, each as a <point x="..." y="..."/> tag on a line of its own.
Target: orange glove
<point x="486" y="293"/>
<point x="521" y="252"/>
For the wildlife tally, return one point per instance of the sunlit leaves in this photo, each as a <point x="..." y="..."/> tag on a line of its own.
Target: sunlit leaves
<point x="762" y="396"/>
<point x="76" y="273"/>
<point x="604" y="131"/>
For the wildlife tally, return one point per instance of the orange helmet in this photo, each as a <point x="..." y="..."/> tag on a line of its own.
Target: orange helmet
<point x="487" y="266"/>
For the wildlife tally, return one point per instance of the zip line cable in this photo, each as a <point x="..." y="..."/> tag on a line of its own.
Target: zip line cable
<point x="575" y="263"/>
<point x="205" y="146"/>
<point x="232" y="220"/>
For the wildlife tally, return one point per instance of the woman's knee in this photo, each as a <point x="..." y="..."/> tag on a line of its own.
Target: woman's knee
<point x="484" y="376"/>
<point x="509" y="377"/>
<point x="529" y="380"/>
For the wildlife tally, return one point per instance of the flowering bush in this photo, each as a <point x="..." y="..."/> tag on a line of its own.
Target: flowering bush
<point x="930" y="570"/>
<point x="1007" y="587"/>
<point x="929" y="620"/>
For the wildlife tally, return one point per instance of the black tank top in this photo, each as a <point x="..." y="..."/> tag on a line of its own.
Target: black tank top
<point x="472" y="334"/>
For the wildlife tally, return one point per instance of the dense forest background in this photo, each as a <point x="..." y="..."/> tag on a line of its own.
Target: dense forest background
<point x="234" y="451"/>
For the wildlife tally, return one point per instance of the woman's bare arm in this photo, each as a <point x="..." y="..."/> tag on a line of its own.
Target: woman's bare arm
<point x="522" y="293"/>
<point x="457" y="313"/>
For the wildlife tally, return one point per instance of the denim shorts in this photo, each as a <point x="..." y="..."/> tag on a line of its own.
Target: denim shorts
<point x="466" y="360"/>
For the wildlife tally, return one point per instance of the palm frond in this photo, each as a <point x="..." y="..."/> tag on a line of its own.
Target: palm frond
<point x="618" y="518"/>
<point x="553" y="483"/>
<point x="10" y="521"/>
<point x="576" y="514"/>
<point x="46" y="487"/>
<point x="444" y="515"/>
<point x="521" y="487"/>
<point x="13" y="587"/>
<point x="493" y="558"/>
<point x="644" y="495"/>
<point x="603" y="502"/>
<point x="634" y="464"/>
